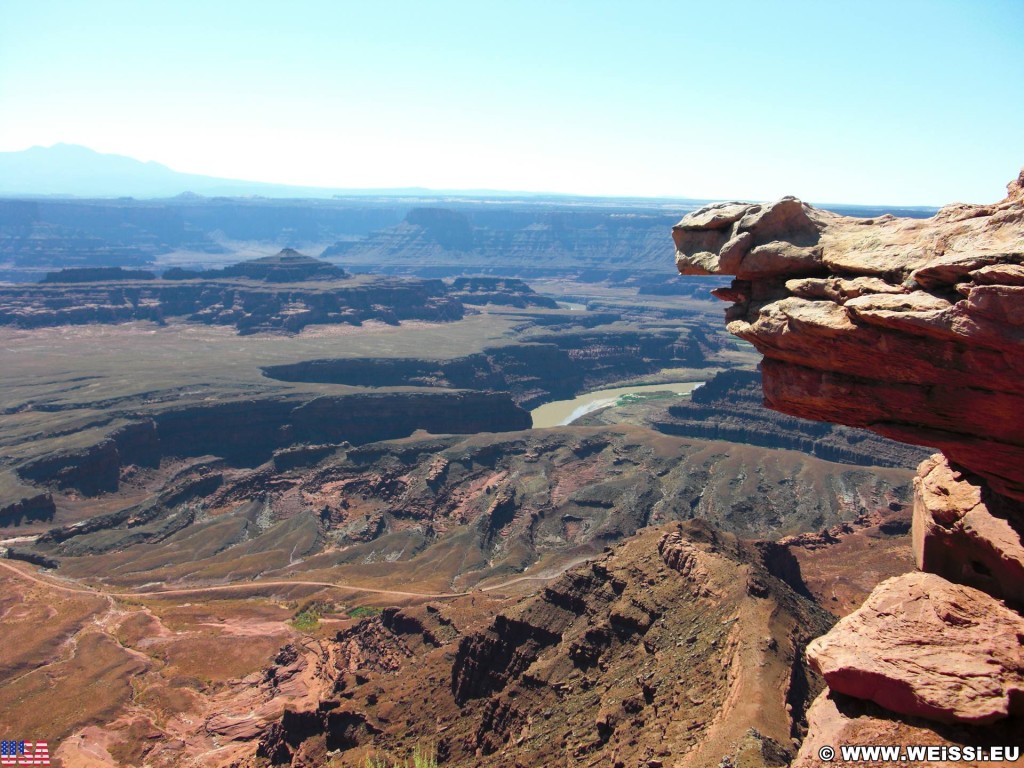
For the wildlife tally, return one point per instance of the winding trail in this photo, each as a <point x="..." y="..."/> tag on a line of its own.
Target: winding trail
<point x="48" y="583"/>
<point x="182" y="591"/>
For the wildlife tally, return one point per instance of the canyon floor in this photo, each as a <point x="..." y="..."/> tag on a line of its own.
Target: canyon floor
<point x="234" y="544"/>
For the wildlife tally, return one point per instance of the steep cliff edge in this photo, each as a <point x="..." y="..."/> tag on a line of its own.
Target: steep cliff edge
<point x="913" y="329"/>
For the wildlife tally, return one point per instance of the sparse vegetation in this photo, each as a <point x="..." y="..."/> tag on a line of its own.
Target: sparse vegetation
<point x="306" y="621"/>
<point x="422" y="757"/>
<point x="364" y="611"/>
<point x="308" y="617"/>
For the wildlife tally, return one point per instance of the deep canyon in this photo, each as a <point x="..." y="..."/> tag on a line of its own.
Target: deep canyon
<point x="288" y="511"/>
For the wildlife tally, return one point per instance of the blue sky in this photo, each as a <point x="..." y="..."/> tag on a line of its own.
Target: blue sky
<point x="862" y="102"/>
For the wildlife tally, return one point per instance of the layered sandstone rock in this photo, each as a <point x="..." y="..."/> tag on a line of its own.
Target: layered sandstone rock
<point x="911" y="327"/>
<point x="923" y="646"/>
<point x="835" y="720"/>
<point x="967" y="534"/>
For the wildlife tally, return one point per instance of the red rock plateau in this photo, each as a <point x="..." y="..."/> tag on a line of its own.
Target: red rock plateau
<point x="913" y="329"/>
<point x="676" y="648"/>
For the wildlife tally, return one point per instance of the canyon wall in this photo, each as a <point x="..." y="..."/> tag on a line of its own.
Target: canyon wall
<point x="913" y="329"/>
<point x="551" y="366"/>
<point x="729" y="407"/>
<point x="645" y="656"/>
<point x="249" y="306"/>
<point x="249" y="431"/>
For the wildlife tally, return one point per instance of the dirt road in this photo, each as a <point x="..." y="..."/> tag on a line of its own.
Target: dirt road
<point x="184" y="591"/>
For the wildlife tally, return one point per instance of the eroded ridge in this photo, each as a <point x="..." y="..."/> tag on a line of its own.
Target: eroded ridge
<point x="913" y="328"/>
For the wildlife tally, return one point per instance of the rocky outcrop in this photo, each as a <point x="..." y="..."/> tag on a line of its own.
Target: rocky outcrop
<point x="923" y="646"/>
<point x="485" y="662"/>
<point x="363" y="418"/>
<point x="552" y="366"/>
<point x="532" y="373"/>
<point x="288" y="266"/>
<point x="268" y="301"/>
<point x="915" y="330"/>
<point x="835" y="720"/>
<point x="683" y="556"/>
<point x="37" y="506"/>
<point x="912" y="328"/>
<point x="499" y="290"/>
<point x="91" y="470"/>
<point x="586" y="663"/>
<point x="96" y="275"/>
<point x="966" y="533"/>
<point x="620" y="661"/>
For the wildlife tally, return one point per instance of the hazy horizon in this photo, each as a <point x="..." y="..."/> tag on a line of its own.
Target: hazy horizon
<point x="905" y="104"/>
<point x="207" y="186"/>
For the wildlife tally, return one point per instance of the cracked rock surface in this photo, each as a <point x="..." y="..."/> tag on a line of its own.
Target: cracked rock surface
<point x="911" y="327"/>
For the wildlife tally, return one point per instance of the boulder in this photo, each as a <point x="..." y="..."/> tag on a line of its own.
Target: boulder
<point x="925" y="647"/>
<point x="834" y="720"/>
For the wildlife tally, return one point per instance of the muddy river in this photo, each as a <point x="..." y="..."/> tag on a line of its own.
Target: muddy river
<point x="561" y="412"/>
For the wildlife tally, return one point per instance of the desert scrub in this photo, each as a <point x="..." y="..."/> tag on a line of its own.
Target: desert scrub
<point x="422" y="757"/>
<point x="308" y="617"/>
<point x="364" y="611"/>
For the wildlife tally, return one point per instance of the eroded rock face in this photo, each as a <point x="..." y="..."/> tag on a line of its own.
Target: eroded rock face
<point x="834" y="720"/>
<point x="656" y="653"/>
<point x="967" y="534"/>
<point x="911" y="327"/>
<point x="922" y="646"/>
<point x="729" y="406"/>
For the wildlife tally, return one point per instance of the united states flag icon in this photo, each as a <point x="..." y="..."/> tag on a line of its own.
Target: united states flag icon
<point x="24" y="753"/>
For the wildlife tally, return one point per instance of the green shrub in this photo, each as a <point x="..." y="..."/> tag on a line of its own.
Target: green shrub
<point x="364" y="611"/>
<point x="308" y="616"/>
<point x="306" y="621"/>
<point x="424" y="757"/>
<point x="639" y="397"/>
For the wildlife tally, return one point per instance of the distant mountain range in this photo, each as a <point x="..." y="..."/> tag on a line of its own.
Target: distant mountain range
<point x="76" y="171"/>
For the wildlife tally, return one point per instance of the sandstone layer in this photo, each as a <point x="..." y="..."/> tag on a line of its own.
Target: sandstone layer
<point x="835" y="719"/>
<point x="911" y="327"/>
<point x="730" y="407"/>
<point x="923" y="646"/>
<point x="967" y="534"/>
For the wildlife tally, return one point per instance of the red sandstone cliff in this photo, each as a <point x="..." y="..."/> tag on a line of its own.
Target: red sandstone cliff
<point x="913" y="328"/>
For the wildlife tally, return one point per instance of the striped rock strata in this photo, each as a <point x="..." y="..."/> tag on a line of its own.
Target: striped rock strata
<point x="913" y="328"/>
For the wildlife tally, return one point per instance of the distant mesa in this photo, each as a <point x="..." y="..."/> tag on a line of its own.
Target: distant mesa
<point x="499" y="290"/>
<point x="96" y="274"/>
<point x="451" y="230"/>
<point x="278" y="294"/>
<point x="288" y="266"/>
